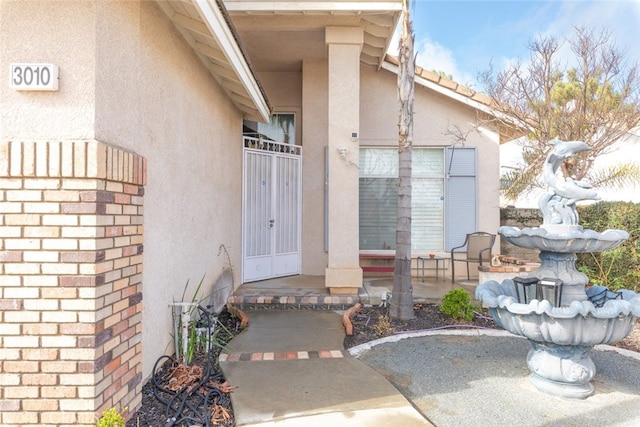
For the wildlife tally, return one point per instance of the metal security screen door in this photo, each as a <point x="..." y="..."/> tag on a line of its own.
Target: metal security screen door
<point x="271" y="210"/>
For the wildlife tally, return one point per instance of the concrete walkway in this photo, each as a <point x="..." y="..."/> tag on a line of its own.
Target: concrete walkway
<point x="291" y="370"/>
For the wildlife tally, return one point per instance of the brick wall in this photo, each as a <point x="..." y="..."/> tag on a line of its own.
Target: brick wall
<point x="520" y="218"/>
<point x="70" y="281"/>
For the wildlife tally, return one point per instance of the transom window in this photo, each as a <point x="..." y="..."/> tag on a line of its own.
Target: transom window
<point x="281" y="128"/>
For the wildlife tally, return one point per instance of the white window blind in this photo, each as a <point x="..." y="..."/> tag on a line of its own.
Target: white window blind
<point x="379" y="195"/>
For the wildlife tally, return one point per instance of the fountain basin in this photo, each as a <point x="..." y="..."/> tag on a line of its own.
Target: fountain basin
<point x="561" y="337"/>
<point x="581" y="323"/>
<point x="563" y="239"/>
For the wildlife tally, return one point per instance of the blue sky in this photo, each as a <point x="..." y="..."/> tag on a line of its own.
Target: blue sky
<point x="462" y="37"/>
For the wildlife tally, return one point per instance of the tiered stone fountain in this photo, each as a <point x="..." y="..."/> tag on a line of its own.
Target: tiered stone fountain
<point x="562" y="335"/>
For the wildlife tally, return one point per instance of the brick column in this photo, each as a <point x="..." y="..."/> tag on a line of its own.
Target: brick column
<point x="70" y="281"/>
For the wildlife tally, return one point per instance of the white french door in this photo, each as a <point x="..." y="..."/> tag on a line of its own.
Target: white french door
<point x="271" y="210"/>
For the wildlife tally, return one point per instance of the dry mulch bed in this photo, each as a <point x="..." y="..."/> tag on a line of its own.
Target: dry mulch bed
<point x="369" y="323"/>
<point x="190" y="395"/>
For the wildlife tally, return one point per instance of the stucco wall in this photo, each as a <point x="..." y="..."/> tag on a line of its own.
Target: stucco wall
<point x="378" y="126"/>
<point x="36" y="32"/>
<point x="128" y="79"/>
<point x="314" y="136"/>
<point x="163" y="104"/>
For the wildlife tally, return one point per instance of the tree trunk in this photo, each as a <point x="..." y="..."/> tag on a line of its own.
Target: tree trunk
<point x="401" y="306"/>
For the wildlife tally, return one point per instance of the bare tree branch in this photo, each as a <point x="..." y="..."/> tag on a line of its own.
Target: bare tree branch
<point x="595" y="100"/>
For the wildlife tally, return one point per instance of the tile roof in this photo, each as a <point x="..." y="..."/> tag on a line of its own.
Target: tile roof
<point x="446" y="83"/>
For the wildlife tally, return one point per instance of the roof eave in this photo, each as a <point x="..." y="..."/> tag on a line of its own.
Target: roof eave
<point x="329" y="7"/>
<point x="313" y="6"/>
<point x="238" y="81"/>
<point x="217" y="20"/>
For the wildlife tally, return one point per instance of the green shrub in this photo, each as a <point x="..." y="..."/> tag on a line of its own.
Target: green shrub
<point x="457" y="304"/>
<point x="619" y="267"/>
<point x="112" y="418"/>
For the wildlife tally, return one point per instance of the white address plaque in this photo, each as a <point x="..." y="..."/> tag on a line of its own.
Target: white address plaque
<point x="34" y="76"/>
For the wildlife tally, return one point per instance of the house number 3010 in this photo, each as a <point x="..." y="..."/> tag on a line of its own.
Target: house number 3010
<point x="34" y="77"/>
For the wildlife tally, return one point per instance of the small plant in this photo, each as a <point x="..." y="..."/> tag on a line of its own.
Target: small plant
<point x="383" y="326"/>
<point x="196" y="328"/>
<point x="457" y="304"/>
<point x="186" y="336"/>
<point x="112" y="418"/>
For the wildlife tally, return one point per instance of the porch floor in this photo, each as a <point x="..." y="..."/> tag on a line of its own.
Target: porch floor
<point x="309" y="292"/>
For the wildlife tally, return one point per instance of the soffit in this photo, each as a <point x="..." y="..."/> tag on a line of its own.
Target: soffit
<point x="279" y="35"/>
<point x="206" y="27"/>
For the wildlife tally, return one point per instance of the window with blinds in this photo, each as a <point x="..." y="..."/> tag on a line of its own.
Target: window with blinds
<point x="379" y="197"/>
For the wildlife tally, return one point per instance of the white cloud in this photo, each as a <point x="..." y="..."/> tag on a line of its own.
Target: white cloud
<point x="618" y="17"/>
<point x="433" y="57"/>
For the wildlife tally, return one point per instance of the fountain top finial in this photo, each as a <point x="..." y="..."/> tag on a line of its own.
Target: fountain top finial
<point x="558" y="203"/>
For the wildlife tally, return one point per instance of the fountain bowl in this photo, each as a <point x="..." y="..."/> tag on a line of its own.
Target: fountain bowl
<point x="580" y="324"/>
<point x="563" y="239"/>
<point x="561" y="337"/>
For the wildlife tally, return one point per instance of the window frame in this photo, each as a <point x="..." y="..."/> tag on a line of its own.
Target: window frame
<point x="438" y="176"/>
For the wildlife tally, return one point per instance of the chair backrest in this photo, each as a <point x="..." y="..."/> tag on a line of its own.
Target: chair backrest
<point x="477" y="242"/>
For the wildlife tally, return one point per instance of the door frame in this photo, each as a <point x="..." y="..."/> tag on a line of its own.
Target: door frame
<point x="284" y="263"/>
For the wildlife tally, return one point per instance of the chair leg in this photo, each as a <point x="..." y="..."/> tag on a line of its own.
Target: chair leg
<point x="453" y="271"/>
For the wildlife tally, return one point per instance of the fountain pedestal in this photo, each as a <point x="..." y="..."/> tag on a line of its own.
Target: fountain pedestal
<point x="561" y="370"/>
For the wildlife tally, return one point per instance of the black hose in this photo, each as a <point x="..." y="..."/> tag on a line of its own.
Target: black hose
<point x="192" y="404"/>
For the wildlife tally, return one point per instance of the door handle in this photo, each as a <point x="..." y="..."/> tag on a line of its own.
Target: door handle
<point x="271" y="221"/>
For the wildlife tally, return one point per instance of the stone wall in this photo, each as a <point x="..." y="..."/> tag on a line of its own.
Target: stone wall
<point x="519" y="218"/>
<point x="71" y="228"/>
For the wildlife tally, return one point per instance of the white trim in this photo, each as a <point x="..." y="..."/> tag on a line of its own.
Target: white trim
<point x="354" y="6"/>
<point x="362" y="349"/>
<point x="219" y="29"/>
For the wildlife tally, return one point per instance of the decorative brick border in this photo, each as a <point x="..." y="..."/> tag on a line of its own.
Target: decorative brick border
<point x="283" y="355"/>
<point x="71" y="228"/>
<point x="331" y="302"/>
<point x="513" y="265"/>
